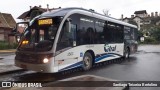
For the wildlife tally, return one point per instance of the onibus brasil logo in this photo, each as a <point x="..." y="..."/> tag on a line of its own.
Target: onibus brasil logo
<point x="109" y="48"/>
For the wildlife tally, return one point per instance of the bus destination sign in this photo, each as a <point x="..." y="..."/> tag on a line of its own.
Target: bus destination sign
<point x="45" y="22"/>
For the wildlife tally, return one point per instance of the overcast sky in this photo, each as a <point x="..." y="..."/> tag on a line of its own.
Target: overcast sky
<point x="115" y="7"/>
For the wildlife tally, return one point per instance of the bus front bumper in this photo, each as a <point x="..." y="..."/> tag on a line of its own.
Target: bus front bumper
<point x="44" y="68"/>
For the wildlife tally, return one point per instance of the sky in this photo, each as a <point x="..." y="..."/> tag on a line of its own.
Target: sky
<point x="115" y="8"/>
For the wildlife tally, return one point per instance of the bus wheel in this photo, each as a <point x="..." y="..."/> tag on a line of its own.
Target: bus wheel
<point x="87" y="61"/>
<point x="127" y="53"/>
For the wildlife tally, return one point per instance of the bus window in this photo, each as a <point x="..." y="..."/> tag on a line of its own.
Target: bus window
<point x="113" y="32"/>
<point x="127" y="33"/>
<point x="86" y="31"/>
<point x="67" y="38"/>
<point x="39" y="33"/>
<point x="99" y="35"/>
<point x="89" y="36"/>
<point x="73" y="33"/>
<point x="52" y="32"/>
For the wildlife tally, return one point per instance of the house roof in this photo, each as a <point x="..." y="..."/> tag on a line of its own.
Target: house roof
<point x="27" y="13"/>
<point x="7" y="21"/>
<point x="140" y="12"/>
<point x="133" y="18"/>
<point x="154" y="20"/>
<point x="130" y="20"/>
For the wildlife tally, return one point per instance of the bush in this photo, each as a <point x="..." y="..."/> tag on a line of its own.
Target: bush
<point x="6" y="45"/>
<point x="156" y="34"/>
<point x="149" y="40"/>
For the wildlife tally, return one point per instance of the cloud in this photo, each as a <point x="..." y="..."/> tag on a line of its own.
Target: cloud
<point x="115" y="7"/>
<point x="17" y="7"/>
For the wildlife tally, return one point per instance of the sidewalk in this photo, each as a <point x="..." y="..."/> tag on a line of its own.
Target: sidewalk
<point x="7" y="61"/>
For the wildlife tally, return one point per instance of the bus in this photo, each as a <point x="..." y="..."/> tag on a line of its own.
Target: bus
<point x="68" y="38"/>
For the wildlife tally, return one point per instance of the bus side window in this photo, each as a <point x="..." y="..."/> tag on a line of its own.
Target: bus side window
<point x="67" y="39"/>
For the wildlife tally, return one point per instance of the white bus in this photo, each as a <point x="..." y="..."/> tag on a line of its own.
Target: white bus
<point x="67" y="38"/>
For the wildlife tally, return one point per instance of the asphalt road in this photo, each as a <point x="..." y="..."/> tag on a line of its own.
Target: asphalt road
<point x="142" y="66"/>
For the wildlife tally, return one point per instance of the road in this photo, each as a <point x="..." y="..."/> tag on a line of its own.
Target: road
<point x="142" y="66"/>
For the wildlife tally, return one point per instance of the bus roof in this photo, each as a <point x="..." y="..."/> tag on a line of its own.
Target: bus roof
<point x="92" y="13"/>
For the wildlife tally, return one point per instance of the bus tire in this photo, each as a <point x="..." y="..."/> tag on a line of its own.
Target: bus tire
<point x="87" y="61"/>
<point x="127" y="53"/>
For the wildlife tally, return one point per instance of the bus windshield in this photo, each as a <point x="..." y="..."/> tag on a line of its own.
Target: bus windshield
<point x="40" y="35"/>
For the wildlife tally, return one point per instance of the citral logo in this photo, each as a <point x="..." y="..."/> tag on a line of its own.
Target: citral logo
<point x="109" y="48"/>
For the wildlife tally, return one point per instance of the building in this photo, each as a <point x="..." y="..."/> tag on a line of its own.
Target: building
<point x="33" y="12"/>
<point x="7" y="23"/>
<point x="142" y="13"/>
<point x="143" y="19"/>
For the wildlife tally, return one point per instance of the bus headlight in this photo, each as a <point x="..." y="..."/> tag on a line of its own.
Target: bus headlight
<point x="45" y="60"/>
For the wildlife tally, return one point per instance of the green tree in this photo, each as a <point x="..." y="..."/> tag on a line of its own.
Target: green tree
<point x="140" y="34"/>
<point x="155" y="33"/>
<point x="152" y="33"/>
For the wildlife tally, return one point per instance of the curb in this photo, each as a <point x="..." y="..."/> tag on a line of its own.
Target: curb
<point x="8" y="51"/>
<point x="12" y="71"/>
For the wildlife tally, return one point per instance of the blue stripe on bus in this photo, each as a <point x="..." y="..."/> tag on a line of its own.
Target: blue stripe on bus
<point x="78" y="64"/>
<point x="104" y="56"/>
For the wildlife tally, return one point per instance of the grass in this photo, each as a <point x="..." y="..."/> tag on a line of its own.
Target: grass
<point x="6" y="45"/>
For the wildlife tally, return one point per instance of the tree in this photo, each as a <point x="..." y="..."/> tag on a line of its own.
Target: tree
<point x="106" y="12"/>
<point x="140" y="34"/>
<point x="155" y="33"/>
